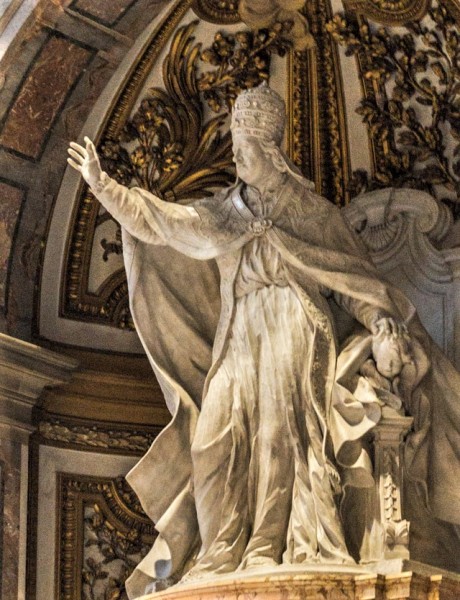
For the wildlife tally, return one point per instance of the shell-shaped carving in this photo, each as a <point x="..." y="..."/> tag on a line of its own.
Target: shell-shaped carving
<point x="397" y="533"/>
<point x="379" y="237"/>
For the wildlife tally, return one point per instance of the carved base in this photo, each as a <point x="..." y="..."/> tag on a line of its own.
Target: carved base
<point x="315" y="583"/>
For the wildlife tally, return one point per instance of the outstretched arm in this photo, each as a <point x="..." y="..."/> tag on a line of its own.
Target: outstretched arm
<point x="142" y="214"/>
<point x="373" y="318"/>
<point x="119" y="201"/>
<point x="202" y="231"/>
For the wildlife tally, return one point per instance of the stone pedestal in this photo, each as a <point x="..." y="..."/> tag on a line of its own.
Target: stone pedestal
<point x="25" y="370"/>
<point x="284" y="584"/>
<point x="308" y="584"/>
<point x="388" y="438"/>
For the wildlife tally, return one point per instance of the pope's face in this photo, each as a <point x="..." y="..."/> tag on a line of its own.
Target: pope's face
<point x="252" y="165"/>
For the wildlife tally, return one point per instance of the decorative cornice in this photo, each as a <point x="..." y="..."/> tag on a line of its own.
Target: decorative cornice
<point x="25" y="370"/>
<point x="90" y="437"/>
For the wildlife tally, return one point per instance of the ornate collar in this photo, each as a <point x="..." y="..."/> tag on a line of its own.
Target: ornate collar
<point x="281" y="196"/>
<point x="259" y="225"/>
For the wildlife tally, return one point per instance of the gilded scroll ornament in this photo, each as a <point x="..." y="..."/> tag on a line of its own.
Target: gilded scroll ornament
<point x="390" y="12"/>
<point x="217" y="11"/>
<point x="413" y="114"/>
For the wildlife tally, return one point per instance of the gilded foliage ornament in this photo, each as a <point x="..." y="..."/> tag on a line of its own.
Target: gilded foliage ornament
<point x="109" y="556"/>
<point x="93" y="436"/>
<point x="241" y="61"/>
<point x="103" y="535"/>
<point x="171" y="148"/>
<point x="413" y="115"/>
<point x="167" y="146"/>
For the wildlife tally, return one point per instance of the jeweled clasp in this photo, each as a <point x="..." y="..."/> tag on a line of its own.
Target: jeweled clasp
<point x="259" y="226"/>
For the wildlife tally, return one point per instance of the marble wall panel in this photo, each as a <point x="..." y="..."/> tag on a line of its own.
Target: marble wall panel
<point x="10" y="459"/>
<point x="1" y="519"/>
<point x="51" y="78"/>
<point x="10" y="205"/>
<point x="104" y="12"/>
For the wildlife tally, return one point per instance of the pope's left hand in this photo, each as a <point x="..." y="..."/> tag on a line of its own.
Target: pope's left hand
<point x="389" y="326"/>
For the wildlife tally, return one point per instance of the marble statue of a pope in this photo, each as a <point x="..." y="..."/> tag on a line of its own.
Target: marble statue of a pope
<point x="240" y="301"/>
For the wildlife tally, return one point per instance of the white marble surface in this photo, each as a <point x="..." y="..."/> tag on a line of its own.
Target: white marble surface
<point x="11" y="26"/>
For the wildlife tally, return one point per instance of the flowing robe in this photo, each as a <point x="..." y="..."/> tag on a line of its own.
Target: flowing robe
<point x="171" y="252"/>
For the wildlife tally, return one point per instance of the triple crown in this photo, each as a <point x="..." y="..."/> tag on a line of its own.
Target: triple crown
<point x="259" y="112"/>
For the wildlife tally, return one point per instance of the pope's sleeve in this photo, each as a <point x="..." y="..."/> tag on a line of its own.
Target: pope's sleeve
<point x="348" y="241"/>
<point x="365" y="313"/>
<point x="154" y="221"/>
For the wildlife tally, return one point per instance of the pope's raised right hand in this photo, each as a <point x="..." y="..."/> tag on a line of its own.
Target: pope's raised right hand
<point x="85" y="160"/>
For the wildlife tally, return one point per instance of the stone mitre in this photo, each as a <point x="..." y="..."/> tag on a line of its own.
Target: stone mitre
<point x="259" y="112"/>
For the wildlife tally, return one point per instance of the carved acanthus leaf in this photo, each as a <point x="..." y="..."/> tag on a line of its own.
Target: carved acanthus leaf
<point x="397" y="534"/>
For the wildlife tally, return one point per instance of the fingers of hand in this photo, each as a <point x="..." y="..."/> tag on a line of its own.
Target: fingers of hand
<point x="73" y="164"/>
<point x="90" y="148"/>
<point x="75" y="155"/>
<point x="384" y="326"/>
<point x="79" y="149"/>
<point x="399" y="329"/>
<point x="387" y="326"/>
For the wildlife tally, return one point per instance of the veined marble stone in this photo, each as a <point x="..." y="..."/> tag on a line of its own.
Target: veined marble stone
<point x="315" y="583"/>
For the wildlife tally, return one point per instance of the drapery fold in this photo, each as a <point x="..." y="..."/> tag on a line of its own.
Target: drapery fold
<point x="183" y="310"/>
